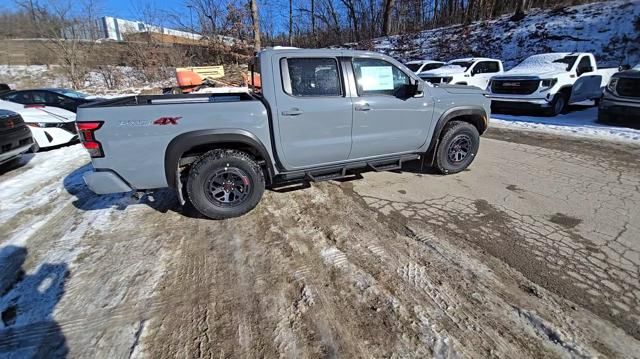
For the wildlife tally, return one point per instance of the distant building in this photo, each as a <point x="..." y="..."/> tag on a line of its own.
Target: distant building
<point x="111" y="28"/>
<point x="115" y="29"/>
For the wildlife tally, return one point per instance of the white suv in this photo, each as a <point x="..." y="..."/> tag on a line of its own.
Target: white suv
<point x="470" y="71"/>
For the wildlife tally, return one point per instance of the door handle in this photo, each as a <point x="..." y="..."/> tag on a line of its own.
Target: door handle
<point x="362" y="107"/>
<point x="292" y="112"/>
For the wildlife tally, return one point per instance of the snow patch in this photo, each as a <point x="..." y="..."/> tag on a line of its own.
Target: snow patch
<point x="580" y="123"/>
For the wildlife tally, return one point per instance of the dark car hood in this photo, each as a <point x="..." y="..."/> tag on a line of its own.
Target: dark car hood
<point x="629" y="74"/>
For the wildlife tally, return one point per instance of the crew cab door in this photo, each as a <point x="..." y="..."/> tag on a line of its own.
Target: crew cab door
<point x="587" y="86"/>
<point x="384" y="121"/>
<point x="314" y="115"/>
<point x="482" y="72"/>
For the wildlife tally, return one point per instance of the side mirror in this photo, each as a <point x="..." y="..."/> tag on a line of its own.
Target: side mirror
<point x="407" y="91"/>
<point x="624" y="67"/>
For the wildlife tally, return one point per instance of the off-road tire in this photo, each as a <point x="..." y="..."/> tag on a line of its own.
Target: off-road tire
<point x="205" y="173"/>
<point x="558" y="106"/>
<point x="453" y="134"/>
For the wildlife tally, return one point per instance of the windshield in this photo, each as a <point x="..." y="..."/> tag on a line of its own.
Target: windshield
<point x="568" y="60"/>
<point x="544" y="63"/>
<point x="70" y="93"/>
<point x="637" y="67"/>
<point x="413" y="67"/>
<point x="464" y="64"/>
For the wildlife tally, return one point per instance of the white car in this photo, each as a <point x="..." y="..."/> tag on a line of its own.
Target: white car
<point x="50" y="126"/>
<point x="470" y="71"/>
<point x="418" y="66"/>
<point x="549" y="82"/>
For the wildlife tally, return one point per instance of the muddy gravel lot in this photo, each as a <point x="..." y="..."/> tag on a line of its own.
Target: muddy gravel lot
<point x="533" y="252"/>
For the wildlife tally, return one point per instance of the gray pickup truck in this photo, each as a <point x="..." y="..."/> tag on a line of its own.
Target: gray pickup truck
<point x="318" y="115"/>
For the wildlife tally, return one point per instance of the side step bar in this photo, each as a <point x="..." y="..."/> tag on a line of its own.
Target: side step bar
<point x="341" y="171"/>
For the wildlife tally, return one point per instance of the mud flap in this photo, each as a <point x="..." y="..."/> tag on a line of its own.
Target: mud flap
<point x="179" y="188"/>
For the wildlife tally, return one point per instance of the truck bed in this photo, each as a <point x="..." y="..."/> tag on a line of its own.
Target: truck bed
<point x="141" y="100"/>
<point x="136" y="131"/>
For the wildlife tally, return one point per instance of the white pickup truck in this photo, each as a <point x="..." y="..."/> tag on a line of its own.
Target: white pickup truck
<point x="470" y="71"/>
<point x="549" y="82"/>
<point x="418" y="66"/>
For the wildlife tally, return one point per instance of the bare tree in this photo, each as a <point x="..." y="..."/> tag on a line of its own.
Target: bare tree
<point x="255" y="21"/>
<point x="70" y="28"/>
<point x="386" y="17"/>
<point x="290" y="22"/>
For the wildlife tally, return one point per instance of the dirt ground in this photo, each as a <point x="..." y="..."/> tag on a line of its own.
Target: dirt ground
<point x="532" y="252"/>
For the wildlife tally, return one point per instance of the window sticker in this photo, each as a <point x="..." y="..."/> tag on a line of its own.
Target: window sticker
<point x="376" y="78"/>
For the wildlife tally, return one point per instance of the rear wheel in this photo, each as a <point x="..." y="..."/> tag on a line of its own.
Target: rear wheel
<point x="458" y="147"/>
<point x="225" y="183"/>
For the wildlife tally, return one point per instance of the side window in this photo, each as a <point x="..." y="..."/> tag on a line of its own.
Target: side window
<point x="39" y="97"/>
<point x="311" y="77"/>
<point x="480" y="68"/>
<point x="486" y="67"/>
<point x="378" y="77"/>
<point x="23" y="97"/>
<point x="493" y="66"/>
<point x="584" y="65"/>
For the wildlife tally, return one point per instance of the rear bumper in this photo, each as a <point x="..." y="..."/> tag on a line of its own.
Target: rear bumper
<point x="105" y="182"/>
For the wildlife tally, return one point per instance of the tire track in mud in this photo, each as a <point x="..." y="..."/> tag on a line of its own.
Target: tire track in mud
<point x="571" y="268"/>
<point x="453" y="320"/>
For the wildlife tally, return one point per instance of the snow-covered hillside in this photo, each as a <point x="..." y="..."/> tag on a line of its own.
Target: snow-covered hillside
<point x="610" y="30"/>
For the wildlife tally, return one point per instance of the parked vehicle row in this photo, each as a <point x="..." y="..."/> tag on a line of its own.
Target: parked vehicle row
<point x="548" y="82"/>
<point x="49" y="126"/>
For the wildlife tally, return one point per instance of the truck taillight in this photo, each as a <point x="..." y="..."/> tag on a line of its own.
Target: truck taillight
<point x="87" y="130"/>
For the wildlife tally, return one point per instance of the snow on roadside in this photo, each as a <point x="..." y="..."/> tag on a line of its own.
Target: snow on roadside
<point x="32" y="185"/>
<point x="581" y="123"/>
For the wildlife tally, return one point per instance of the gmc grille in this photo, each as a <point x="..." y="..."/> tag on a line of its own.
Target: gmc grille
<point x="628" y="87"/>
<point x="515" y="87"/>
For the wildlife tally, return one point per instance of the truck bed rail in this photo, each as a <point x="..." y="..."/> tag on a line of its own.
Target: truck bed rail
<point x="142" y="100"/>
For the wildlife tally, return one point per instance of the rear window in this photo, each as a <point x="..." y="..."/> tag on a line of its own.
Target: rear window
<point x="313" y="77"/>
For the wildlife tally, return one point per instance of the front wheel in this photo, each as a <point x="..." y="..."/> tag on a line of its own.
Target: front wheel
<point x="458" y="147"/>
<point x="558" y="105"/>
<point x="225" y="183"/>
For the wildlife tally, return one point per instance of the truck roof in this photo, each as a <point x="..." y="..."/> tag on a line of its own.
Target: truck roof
<point x="423" y="62"/>
<point x="323" y="52"/>
<point x="474" y="59"/>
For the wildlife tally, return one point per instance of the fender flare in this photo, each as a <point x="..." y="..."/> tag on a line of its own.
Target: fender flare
<point x="184" y="142"/>
<point x="454" y="112"/>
